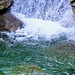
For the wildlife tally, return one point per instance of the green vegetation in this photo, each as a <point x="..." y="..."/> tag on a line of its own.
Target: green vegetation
<point x="26" y="69"/>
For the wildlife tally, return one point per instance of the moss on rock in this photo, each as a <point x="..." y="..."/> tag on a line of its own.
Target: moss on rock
<point x="5" y="4"/>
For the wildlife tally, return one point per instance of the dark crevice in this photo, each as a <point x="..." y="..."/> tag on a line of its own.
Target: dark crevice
<point x="3" y="11"/>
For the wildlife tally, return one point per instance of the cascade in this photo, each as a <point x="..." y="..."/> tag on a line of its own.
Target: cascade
<point x="44" y="9"/>
<point x="43" y="19"/>
<point x="39" y="17"/>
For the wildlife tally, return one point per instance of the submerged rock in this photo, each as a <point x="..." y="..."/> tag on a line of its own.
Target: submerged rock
<point x="5" y="4"/>
<point x="72" y="3"/>
<point x="8" y="22"/>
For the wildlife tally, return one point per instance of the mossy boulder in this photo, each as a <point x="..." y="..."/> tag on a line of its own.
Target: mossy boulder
<point x="9" y="22"/>
<point x="5" y="4"/>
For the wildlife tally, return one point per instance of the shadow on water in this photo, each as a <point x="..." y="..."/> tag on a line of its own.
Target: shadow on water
<point x="32" y="57"/>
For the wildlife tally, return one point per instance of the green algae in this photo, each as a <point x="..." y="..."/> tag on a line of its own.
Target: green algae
<point x="2" y="46"/>
<point x="26" y="69"/>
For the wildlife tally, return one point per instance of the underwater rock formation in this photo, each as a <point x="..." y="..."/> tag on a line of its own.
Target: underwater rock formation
<point x="72" y="3"/>
<point x="8" y="22"/>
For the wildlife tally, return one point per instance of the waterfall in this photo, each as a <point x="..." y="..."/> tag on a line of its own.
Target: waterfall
<point x="42" y="9"/>
<point x="45" y="19"/>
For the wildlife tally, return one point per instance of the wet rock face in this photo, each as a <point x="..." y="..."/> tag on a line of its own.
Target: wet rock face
<point x="8" y="22"/>
<point x="5" y="4"/>
<point x="72" y="3"/>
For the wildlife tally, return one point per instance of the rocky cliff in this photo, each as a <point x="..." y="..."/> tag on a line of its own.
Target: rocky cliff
<point x="8" y="22"/>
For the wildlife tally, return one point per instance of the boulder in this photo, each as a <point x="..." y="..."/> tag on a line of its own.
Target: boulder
<point x="5" y="4"/>
<point x="8" y="22"/>
<point x="72" y="3"/>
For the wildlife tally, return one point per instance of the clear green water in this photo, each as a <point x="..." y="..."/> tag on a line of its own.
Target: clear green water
<point x="31" y="57"/>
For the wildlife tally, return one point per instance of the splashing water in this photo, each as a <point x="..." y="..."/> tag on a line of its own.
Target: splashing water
<point x="45" y="19"/>
<point x="44" y="9"/>
<point x="39" y="16"/>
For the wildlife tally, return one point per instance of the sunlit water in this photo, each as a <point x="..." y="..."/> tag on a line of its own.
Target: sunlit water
<point x="45" y="45"/>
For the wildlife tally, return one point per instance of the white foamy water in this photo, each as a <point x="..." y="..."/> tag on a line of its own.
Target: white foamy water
<point x="38" y="28"/>
<point x="45" y="19"/>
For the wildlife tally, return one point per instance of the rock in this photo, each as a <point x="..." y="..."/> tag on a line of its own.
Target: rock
<point x="1" y="73"/>
<point x="72" y="3"/>
<point x="8" y="22"/>
<point x="73" y="9"/>
<point x="5" y="4"/>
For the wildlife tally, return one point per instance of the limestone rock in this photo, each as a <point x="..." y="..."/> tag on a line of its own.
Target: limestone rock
<point x="72" y="3"/>
<point x="8" y="22"/>
<point x="5" y="4"/>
